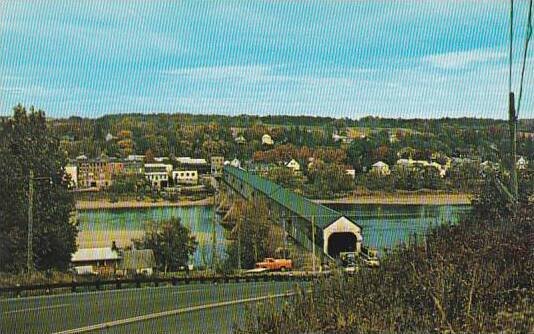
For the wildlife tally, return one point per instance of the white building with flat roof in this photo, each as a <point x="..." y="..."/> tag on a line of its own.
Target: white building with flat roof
<point x="185" y="176"/>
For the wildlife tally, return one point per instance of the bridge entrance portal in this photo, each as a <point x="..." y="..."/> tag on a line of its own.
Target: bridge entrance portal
<point x="341" y="242"/>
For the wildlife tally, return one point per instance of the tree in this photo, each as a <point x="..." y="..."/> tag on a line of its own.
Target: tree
<point x="283" y="176"/>
<point x="26" y="144"/>
<point x="171" y="242"/>
<point x="328" y="179"/>
<point x="252" y="236"/>
<point x="149" y="156"/>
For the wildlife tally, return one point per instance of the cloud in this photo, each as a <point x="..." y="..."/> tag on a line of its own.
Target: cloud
<point x="463" y="59"/>
<point x="221" y="72"/>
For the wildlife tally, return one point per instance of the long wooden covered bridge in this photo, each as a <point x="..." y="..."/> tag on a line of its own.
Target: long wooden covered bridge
<point x="334" y="232"/>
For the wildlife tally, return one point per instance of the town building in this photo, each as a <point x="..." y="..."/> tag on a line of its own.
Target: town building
<point x="136" y="157"/>
<point x="235" y="163"/>
<point x="161" y="159"/>
<point x="522" y="163"/>
<point x="110" y="137"/>
<point x="343" y="139"/>
<point x="94" y="173"/>
<point x="158" y="174"/>
<point x="351" y="173"/>
<point x="267" y="140"/>
<point x="185" y="177"/>
<point x="133" y="167"/>
<point x="217" y="164"/>
<point x="188" y="163"/>
<point x="294" y="165"/>
<point x="240" y="140"/>
<point x="380" y="168"/>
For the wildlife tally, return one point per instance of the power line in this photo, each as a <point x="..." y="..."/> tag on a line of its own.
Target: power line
<point x="511" y="45"/>
<point x="528" y="36"/>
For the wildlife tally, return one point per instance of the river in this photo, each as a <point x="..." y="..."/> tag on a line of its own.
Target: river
<point x="384" y="226"/>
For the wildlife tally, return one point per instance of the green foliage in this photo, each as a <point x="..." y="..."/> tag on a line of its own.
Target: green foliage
<point x="474" y="277"/>
<point x="328" y="179"/>
<point x="127" y="184"/>
<point x="283" y="176"/>
<point x="27" y="144"/>
<point x="171" y="242"/>
<point x="252" y="236"/>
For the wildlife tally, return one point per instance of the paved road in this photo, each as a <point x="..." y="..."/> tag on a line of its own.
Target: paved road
<point x="196" y="308"/>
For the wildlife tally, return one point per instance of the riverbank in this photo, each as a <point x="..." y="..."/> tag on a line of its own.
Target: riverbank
<point x="132" y="204"/>
<point x="372" y="198"/>
<point x="402" y="199"/>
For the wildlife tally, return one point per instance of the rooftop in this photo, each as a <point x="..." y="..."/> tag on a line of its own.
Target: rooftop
<point x="94" y="254"/>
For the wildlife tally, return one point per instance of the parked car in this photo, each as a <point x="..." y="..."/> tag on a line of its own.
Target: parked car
<point x="275" y="264"/>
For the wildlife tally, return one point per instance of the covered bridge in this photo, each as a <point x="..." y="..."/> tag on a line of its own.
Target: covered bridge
<point x="334" y="232"/>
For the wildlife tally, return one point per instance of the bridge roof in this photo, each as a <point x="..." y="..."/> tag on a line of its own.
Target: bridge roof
<point x="296" y="203"/>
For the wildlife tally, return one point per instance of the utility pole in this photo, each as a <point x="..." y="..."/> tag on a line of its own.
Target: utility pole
<point x="313" y="242"/>
<point x="214" y="236"/>
<point x="239" y="243"/>
<point x="30" y="263"/>
<point x="512" y="121"/>
<point x="284" y="236"/>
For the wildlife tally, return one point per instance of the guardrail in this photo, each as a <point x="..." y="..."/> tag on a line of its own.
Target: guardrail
<point x="140" y="281"/>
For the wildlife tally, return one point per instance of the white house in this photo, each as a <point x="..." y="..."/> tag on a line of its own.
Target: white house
<point x="351" y="173"/>
<point x="410" y="163"/>
<point x="380" y="168"/>
<point x="294" y="165"/>
<point x="235" y="163"/>
<point x="267" y="140"/>
<point x="109" y="137"/>
<point x="240" y="140"/>
<point x="185" y="176"/>
<point x="150" y="167"/>
<point x="522" y="163"/>
<point x="135" y="157"/>
<point x="343" y="139"/>
<point x="191" y="161"/>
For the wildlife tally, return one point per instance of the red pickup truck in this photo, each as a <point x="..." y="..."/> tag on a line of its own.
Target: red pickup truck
<point x="275" y="264"/>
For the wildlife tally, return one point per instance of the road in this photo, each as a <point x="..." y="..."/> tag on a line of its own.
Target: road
<point x="195" y="308"/>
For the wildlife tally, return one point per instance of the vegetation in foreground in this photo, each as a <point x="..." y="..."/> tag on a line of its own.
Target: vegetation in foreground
<point x="474" y="277"/>
<point x="27" y="145"/>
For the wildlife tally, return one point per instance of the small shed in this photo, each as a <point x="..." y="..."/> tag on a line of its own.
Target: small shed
<point x="138" y="261"/>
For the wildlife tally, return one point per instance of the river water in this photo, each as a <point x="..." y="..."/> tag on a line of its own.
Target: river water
<point x="384" y="226"/>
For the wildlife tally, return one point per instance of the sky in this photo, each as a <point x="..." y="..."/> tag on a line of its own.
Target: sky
<point x="400" y="59"/>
